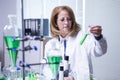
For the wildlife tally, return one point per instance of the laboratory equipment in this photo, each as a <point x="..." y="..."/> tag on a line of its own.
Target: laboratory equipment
<point x="61" y="73"/>
<point x="83" y="39"/>
<point x="12" y="49"/>
<point x="66" y="66"/>
<point x="34" y="27"/>
<point x="54" y="59"/>
<point x="11" y="32"/>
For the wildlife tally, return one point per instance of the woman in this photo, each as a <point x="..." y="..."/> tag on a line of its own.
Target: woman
<point x="67" y="36"/>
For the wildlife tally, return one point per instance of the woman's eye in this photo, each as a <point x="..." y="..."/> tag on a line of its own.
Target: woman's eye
<point x="69" y="19"/>
<point x="62" y="19"/>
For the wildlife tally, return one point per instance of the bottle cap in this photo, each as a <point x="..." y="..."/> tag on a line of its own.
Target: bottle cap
<point x="61" y="68"/>
<point x="18" y="68"/>
<point x="67" y="58"/>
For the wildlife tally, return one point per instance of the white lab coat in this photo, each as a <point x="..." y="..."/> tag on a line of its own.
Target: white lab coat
<point x="80" y="55"/>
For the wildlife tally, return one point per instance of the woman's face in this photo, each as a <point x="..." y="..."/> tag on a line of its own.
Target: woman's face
<point x="64" y="22"/>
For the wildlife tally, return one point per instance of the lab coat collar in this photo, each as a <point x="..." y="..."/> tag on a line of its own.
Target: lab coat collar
<point x="61" y="39"/>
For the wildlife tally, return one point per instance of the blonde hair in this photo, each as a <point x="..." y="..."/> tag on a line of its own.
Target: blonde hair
<point x="53" y="23"/>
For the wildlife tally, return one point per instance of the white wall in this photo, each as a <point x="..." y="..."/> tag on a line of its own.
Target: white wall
<point x="107" y="14"/>
<point x="43" y="8"/>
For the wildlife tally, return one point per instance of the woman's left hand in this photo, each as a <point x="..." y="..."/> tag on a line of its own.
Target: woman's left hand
<point x="96" y="30"/>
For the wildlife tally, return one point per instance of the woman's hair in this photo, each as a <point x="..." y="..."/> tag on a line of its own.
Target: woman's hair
<point x="75" y="27"/>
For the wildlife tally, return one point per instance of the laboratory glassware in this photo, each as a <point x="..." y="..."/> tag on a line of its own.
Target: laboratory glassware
<point x="54" y="59"/>
<point x="10" y="37"/>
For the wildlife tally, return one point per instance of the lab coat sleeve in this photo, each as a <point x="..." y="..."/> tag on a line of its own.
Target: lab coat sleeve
<point x="48" y="47"/>
<point x="96" y="47"/>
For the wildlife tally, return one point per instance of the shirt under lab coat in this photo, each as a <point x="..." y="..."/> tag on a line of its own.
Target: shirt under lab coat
<point x="79" y="55"/>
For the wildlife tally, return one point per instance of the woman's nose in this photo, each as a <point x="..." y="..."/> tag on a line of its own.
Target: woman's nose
<point x="66" y="21"/>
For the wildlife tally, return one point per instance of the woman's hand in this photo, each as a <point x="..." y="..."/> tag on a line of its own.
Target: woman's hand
<point x="68" y="78"/>
<point x="96" y="30"/>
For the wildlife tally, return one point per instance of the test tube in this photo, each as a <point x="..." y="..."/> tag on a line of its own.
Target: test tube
<point x="83" y="39"/>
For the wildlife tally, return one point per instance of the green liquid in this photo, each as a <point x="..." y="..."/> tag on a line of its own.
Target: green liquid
<point x="83" y="39"/>
<point x="2" y="78"/>
<point x="54" y="67"/>
<point x="12" y="53"/>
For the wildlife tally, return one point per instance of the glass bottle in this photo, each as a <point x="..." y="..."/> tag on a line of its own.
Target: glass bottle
<point x="10" y="35"/>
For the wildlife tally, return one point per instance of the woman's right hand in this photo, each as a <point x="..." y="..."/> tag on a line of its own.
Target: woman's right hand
<point x="68" y="78"/>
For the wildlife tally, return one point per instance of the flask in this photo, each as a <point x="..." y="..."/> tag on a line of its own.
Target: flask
<point x="11" y="32"/>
